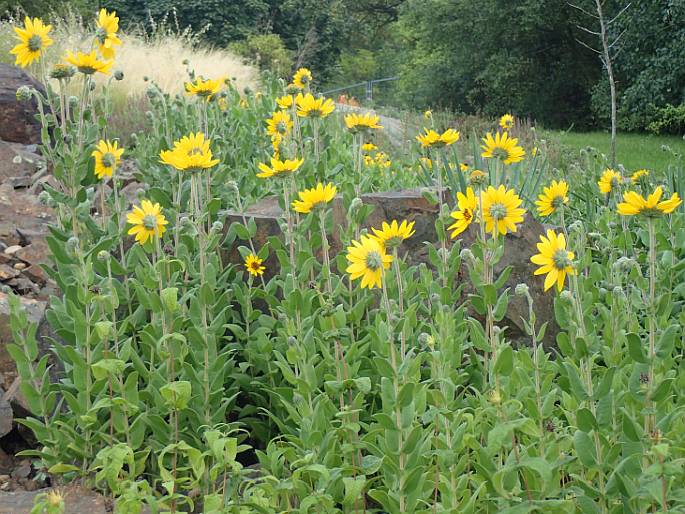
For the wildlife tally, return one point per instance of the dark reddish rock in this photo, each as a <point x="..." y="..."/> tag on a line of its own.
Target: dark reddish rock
<point x="413" y="206"/>
<point x="18" y="164"/>
<point x="17" y="119"/>
<point x="6" y="414"/>
<point x="77" y="501"/>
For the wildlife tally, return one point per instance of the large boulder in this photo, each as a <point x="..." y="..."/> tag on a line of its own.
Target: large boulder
<point x="17" y="120"/>
<point x="413" y="206"/>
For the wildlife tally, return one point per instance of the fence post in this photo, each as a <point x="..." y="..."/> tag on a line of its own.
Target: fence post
<point x="369" y="91"/>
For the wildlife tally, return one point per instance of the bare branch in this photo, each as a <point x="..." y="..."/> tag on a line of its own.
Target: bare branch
<point x="583" y="10"/>
<point x="588" y="46"/>
<point x="588" y="30"/>
<point x="615" y="41"/>
<point x="612" y="20"/>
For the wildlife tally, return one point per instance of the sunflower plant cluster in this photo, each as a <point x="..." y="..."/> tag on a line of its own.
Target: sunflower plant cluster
<point x="335" y="361"/>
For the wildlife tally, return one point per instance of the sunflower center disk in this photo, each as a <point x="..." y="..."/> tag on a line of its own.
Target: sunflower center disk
<point x="108" y="160"/>
<point x="498" y="211"/>
<point x="557" y="201"/>
<point x="150" y="221"/>
<point x="35" y="43"/>
<point x="500" y="153"/>
<point x="101" y="35"/>
<point x="560" y="259"/>
<point x="373" y="260"/>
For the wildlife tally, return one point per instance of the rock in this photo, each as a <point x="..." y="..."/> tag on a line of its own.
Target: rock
<point x="19" y="266"/>
<point x="11" y="250"/>
<point x="411" y="205"/>
<point x="18" y="164"/>
<point x="17" y="120"/>
<point x="77" y="500"/>
<point x="34" y="310"/>
<point x="35" y="253"/>
<point x="6" y="414"/>
<point x="7" y="272"/>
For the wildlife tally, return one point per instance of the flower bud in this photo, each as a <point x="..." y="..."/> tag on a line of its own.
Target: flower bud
<point x="24" y="93"/>
<point x="467" y="256"/>
<point x="566" y="296"/>
<point x="140" y="193"/>
<point x="103" y="255"/>
<point x="44" y="197"/>
<point x="73" y="101"/>
<point x="62" y="71"/>
<point x="576" y="226"/>
<point x="72" y="243"/>
<point x="119" y="75"/>
<point x="618" y="292"/>
<point x="217" y="226"/>
<point x="521" y="290"/>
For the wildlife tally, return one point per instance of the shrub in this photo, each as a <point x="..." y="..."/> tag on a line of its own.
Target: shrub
<point x="267" y="51"/>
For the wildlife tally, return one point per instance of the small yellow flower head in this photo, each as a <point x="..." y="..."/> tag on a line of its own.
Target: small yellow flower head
<point x="279" y="168"/>
<point x="33" y="39"/>
<point x="190" y="153"/>
<point x="55" y="499"/>
<point x="431" y="139"/>
<point x="464" y="216"/>
<point x="501" y="210"/>
<point x="276" y="141"/>
<point x="382" y="160"/>
<point x="147" y="220"/>
<point x="426" y="162"/>
<point x="88" y="64"/>
<point x="310" y="199"/>
<point x="427" y="115"/>
<point x="635" y="204"/>
<point x="107" y="157"/>
<point x="464" y="167"/>
<point x="310" y="107"/>
<point x="635" y="177"/>
<point x="279" y="124"/>
<point x="534" y="151"/>
<point x="392" y="235"/>
<point x="204" y="89"/>
<point x="369" y="147"/>
<point x="506" y="122"/>
<point x="554" y="260"/>
<point x="368" y="259"/>
<point x="478" y="178"/>
<point x="285" y="101"/>
<point x="253" y="265"/>
<point x="106" y="33"/>
<point x="552" y="198"/>
<point x="362" y="122"/>
<point x="243" y="103"/>
<point x="609" y="180"/>
<point x="302" y="78"/>
<point x="368" y="161"/>
<point x="502" y="147"/>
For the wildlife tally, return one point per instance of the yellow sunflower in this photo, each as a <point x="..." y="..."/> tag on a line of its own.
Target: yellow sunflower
<point x="33" y="40"/>
<point x="315" y="197"/>
<point x="279" y="168"/>
<point x="427" y="115"/>
<point x="88" y="64"/>
<point x="392" y="235"/>
<point x="506" y="122"/>
<point x="190" y="153"/>
<point x="634" y="204"/>
<point x="279" y="124"/>
<point x="502" y="147"/>
<point x="362" y="122"/>
<point x="205" y="89"/>
<point x="464" y="167"/>
<point x="368" y="259"/>
<point x="147" y="220"/>
<point x="285" y="101"/>
<point x="552" y="197"/>
<point x="310" y="107"/>
<point x="554" y="259"/>
<point x="107" y="157"/>
<point x="468" y="205"/>
<point x="302" y="78"/>
<point x="369" y="147"/>
<point x="430" y="138"/>
<point x="106" y="33"/>
<point x="635" y="177"/>
<point x="253" y="265"/>
<point x="609" y="180"/>
<point x="501" y="209"/>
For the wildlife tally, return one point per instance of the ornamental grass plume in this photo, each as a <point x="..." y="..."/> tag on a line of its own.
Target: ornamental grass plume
<point x="554" y="259"/>
<point x="33" y="40"/>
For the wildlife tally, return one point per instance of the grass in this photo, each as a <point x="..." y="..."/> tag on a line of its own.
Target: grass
<point x="634" y="151"/>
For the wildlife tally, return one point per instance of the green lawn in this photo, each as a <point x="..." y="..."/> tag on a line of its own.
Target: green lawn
<point x="634" y="151"/>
